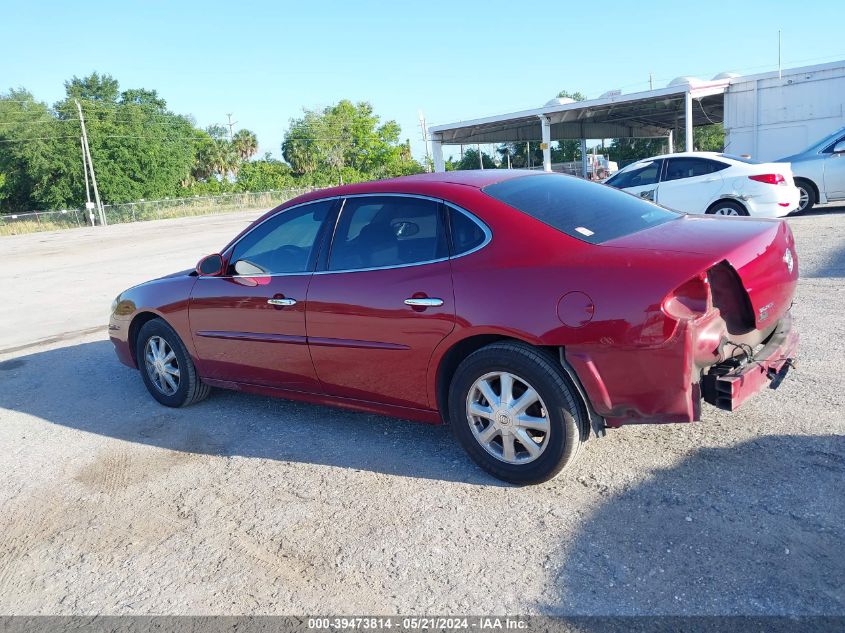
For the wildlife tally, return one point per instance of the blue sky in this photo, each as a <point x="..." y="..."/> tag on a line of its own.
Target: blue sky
<point x="266" y="60"/>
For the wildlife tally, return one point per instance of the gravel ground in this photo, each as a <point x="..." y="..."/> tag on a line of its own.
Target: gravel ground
<point x="241" y="504"/>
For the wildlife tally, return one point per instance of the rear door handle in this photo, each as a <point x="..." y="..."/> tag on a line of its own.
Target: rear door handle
<point x="424" y="302"/>
<point x="282" y="302"/>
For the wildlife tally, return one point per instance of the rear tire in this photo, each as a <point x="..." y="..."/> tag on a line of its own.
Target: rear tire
<point x="508" y="432"/>
<point x="166" y="367"/>
<point x="807" y="198"/>
<point x="727" y="207"/>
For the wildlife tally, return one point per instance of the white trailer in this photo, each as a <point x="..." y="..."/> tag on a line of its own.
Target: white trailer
<point x="777" y="114"/>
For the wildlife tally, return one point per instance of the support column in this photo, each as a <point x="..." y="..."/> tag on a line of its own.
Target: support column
<point x="546" y="145"/>
<point x="688" y="121"/>
<point x="585" y="164"/>
<point x="437" y="153"/>
<point x="671" y="139"/>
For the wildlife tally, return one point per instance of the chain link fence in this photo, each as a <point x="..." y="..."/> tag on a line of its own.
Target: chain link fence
<point x="13" y="224"/>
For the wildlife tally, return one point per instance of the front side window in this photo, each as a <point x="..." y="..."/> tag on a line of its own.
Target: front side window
<point x="679" y="168"/>
<point x="638" y="175"/>
<point x="383" y="231"/>
<point x="282" y="244"/>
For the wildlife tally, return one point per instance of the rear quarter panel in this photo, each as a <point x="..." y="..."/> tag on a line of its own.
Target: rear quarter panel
<point x="513" y="286"/>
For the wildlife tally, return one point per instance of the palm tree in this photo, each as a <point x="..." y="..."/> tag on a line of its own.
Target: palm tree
<point x="245" y="143"/>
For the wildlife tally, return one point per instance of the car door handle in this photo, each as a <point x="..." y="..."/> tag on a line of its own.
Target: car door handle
<point x="282" y="302"/>
<point x="424" y="302"/>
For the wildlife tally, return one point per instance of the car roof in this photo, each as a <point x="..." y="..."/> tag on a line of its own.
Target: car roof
<point x="716" y="155"/>
<point x="430" y="184"/>
<point x="476" y="178"/>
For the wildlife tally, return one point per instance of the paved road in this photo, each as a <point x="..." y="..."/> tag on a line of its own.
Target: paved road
<point x="63" y="282"/>
<point x="113" y="504"/>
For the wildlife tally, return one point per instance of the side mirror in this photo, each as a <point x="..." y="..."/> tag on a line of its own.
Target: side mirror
<point x="839" y="148"/>
<point x="210" y="266"/>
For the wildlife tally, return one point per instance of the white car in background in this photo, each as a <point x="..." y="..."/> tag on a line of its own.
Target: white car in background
<point x="713" y="183"/>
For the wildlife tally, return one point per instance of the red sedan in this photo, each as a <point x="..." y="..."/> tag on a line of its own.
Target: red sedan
<point x="523" y="309"/>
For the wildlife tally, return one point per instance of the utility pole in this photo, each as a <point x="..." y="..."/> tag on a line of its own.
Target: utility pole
<point x="87" y="153"/>
<point x="650" y="82"/>
<point x="231" y="125"/>
<point x="89" y="206"/>
<point x="424" y="129"/>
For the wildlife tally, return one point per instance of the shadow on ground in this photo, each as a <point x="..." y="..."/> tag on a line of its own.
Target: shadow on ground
<point x="822" y="210"/>
<point x="84" y="387"/>
<point x="757" y="528"/>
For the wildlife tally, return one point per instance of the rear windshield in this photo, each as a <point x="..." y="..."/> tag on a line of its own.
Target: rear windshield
<point x="585" y="210"/>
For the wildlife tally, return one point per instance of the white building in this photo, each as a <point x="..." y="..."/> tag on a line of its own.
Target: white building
<point x="774" y="115"/>
<point x="766" y="116"/>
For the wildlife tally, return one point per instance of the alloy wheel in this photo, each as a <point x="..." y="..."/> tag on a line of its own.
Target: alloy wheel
<point x="508" y="418"/>
<point x="803" y="198"/>
<point x="162" y="365"/>
<point x="726" y="211"/>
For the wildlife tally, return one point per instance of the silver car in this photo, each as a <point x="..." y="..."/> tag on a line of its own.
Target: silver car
<point x="819" y="171"/>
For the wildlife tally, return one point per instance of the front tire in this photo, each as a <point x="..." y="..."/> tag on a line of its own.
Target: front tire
<point x="727" y="207"/>
<point x="166" y="367"/>
<point x="515" y="412"/>
<point x="806" y="196"/>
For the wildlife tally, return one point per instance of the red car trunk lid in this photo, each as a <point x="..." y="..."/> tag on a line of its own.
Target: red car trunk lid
<point x="762" y="252"/>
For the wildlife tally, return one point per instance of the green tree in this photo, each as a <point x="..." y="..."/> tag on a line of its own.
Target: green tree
<point x="346" y="141"/>
<point x="709" y="138"/>
<point x="246" y="144"/>
<point x="36" y="155"/>
<point x="141" y="97"/>
<point x="94" y="87"/>
<point x="139" y="148"/>
<point x="263" y="175"/>
<point x="470" y="160"/>
<point x="576" y="96"/>
<point x="706" y="138"/>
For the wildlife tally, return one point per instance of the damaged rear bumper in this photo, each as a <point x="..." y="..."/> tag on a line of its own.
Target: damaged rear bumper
<point x="727" y="385"/>
<point x="668" y="384"/>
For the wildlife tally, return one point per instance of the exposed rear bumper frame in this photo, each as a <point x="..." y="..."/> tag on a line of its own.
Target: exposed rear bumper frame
<point x="727" y="385"/>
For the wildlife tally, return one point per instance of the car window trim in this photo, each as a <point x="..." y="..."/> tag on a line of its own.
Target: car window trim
<point x="660" y="162"/>
<point x="318" y="241"/>
<point x="488" y="235"/>
<point x="829" y="148"/>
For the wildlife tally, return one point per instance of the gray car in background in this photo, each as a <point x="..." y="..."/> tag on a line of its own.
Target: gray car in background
<point x="819" y="171"/>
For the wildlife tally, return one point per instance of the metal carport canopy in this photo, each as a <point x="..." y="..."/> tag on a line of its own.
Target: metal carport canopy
<point x="650" y="113"/>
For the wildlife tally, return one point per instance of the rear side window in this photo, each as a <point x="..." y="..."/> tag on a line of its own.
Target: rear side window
<point x="642" y="174"/>
<point x="382" y="231"/>
<point x="467" y="234"/>
<point x="588" y="211"/>
<point x="678" y="168"/>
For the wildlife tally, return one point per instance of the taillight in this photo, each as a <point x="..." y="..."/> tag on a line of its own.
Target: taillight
<point x="770" y="179"/>
<point x="690" y="300"/>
